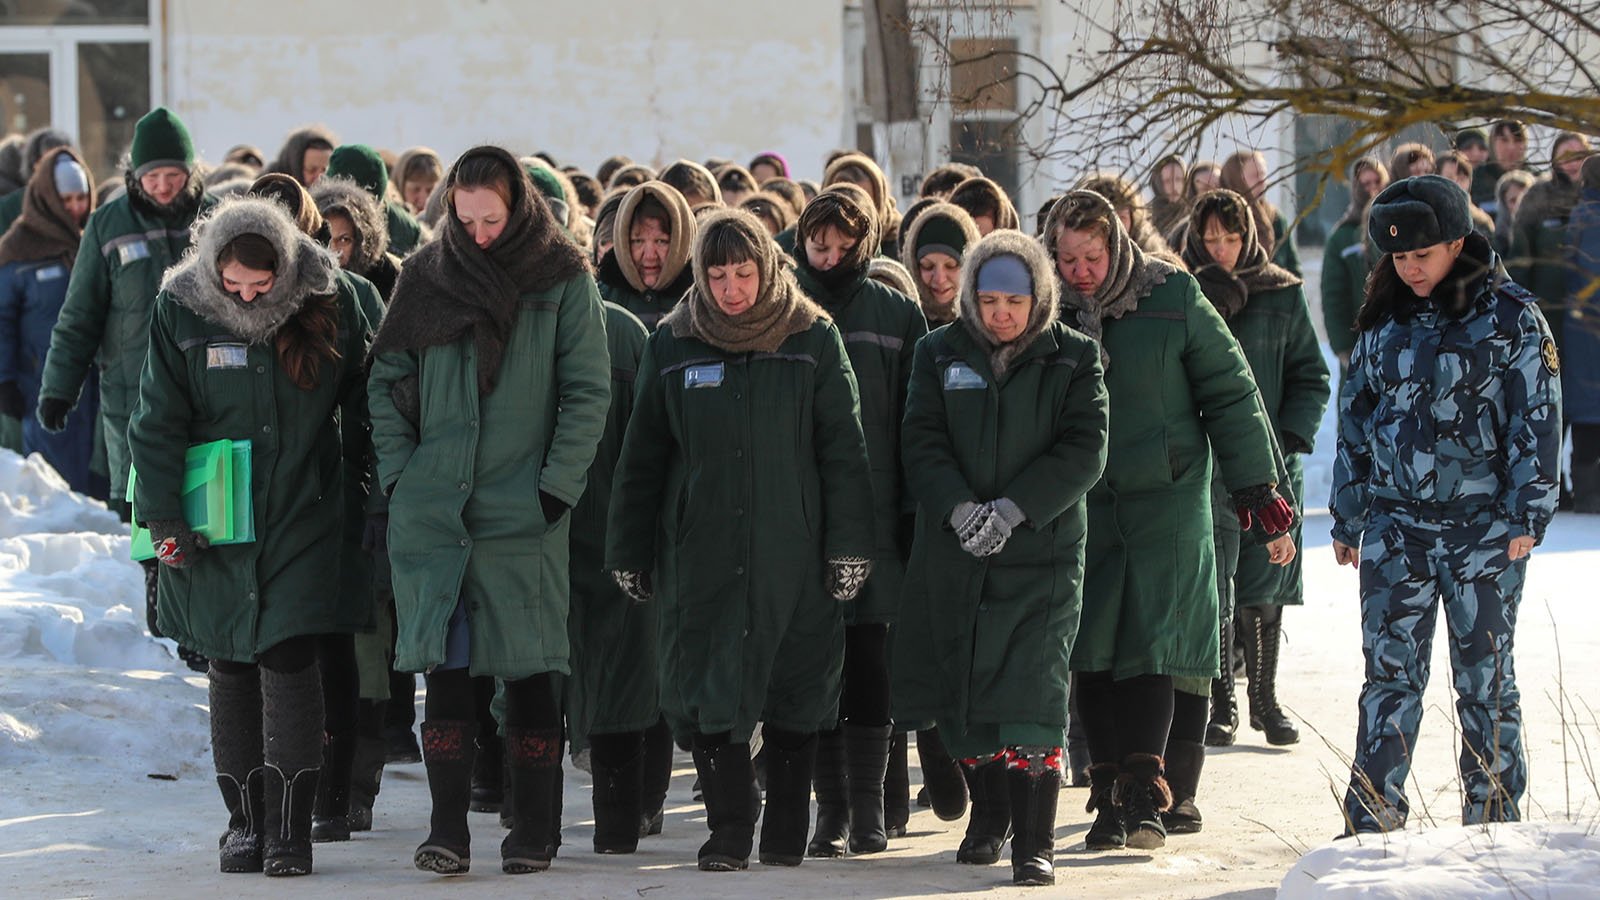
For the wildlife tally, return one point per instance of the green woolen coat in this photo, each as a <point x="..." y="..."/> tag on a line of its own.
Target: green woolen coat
<point x="985" y="642"/>
<point x="106" y="317"/>
<point x="1538" y="263"/>
<point x="734" y="495"/>
<point x="239" y="600"/>
<point x="880" y="327"/>
<point x="1285" y="252"/>
<point x="405" y="233"/>
<point x="1274" y="330"/>
<point x="464" y="515"/>
<point x="1180" y="392"/>
<point x="614" y="685"/>
<point x="1345" y="268"/>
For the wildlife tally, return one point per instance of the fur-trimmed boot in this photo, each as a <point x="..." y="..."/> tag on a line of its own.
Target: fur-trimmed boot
<point x="942" y="777"/>
<point x="990" y="822"/>
<point x="1262" y="642"/>
<point x="235" y="698"/>
<point x="1184" y="761"/>
<point x="1223" y="726"/>
<point x="1144" y="794"/>
<point x="1107" y="832"/>
<point x="447" y="751"/>
<point x="867" y="759"/>
<point x="790" y="757"/>
<point x="291" y="725"/>
<point x="1034" y="783"/>
<point x="728" y="781"/>
<point x="897" y="788"/>
<point x="533" y="760"/>
<point x="832" y="786"/>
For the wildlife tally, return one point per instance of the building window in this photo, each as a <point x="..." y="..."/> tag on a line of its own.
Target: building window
<point x="983" y="107"/>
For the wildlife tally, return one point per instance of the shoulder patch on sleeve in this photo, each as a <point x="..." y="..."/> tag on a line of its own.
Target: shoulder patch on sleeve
<point x="1552" y="358"/>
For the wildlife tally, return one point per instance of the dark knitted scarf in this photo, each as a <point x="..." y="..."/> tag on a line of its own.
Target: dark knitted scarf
<point x="1254" y="273"/>
<point x="45" y="230"/>
<point x="451" y="288"/>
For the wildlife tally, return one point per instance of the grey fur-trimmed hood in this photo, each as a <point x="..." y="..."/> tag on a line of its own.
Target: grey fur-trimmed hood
<point x="1046" y="293"/>
<point x="335" y="194"/>
<point x="939" y="209"/>
<point x="305" y="269"/>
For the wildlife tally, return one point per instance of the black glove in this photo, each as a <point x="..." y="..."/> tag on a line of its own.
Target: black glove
<point x="176" y="543"/>
<point x="53" y="414"/>
<point x="375" y="533"/>
<point x="552" y="507"/>
<point x="846" y="576"/>
<point x="407" y="397"/>
<point x="1292" y="443"/>
<point x="635" y="584"/>
<point x="11" y="402"/>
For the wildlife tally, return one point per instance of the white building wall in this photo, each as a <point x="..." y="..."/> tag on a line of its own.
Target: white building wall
<point x="581" y="80"/>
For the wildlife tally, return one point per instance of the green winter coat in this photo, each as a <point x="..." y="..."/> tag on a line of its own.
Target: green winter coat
<point x="465" y="522"/>
<point x="984" y="643"/>
<point x="1539" y="250"/>
<point x="614" y="685"/>
<point x="881" y="327"/>
<point x="733" y="493"/>
<point x="106" y="316"/>
<point x="11" y="208"/>
<point x="1345" y="267"/>
<point x="1180" y="392"/>
<point x="206" y="379"/>
<point x="1285" y="253"/>
<point x="1274" y="330"/>
<point x="405" y="233"/>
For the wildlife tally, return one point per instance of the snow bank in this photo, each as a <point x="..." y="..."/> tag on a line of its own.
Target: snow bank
<point x="81" y="677"/>
<point x="1525" y="859"/>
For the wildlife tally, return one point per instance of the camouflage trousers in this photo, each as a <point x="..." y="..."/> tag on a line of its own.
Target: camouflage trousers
<point x="1409" y="563"/>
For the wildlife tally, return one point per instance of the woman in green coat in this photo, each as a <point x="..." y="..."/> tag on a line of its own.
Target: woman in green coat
<point x="489" y="391"/>
<point x="837" y="237"/>
<point x="744" y="498"/>
<point x="1346" y="262"/>
<point x="647" y="270"/>
<point x="1004" y="434"/>
<point x="1181" y="396"/>
<point x="1539" y="233"/>
<point x="255" y="339"/>
<point x="1245" y="173"/>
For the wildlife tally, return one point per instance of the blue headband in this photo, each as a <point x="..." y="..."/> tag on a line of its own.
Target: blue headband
<point x="1006" y="274"/>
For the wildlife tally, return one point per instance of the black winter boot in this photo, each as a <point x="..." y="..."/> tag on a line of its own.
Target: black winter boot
<point x="867" y="758"/>
<point x="1144" y="795"/>
<point x="897" y="788"/>
<point x="291" y="725"/>
<point x="286" y="824"/>
<point x="533" y="759"/>
<point x="658" y="749"/>
<point x="1262" y="645"/>
<point x="1035" y="792"/>
<point x="366" y="778"/>
<point x="990" y="822"/>
<point x="487" y="784"/>
<point x="790" y="758"/>
<point x="1224" y="723"/>
<point x="1184" y="761"/>
<point x="618" y="788"/>
<point x="1107" y="831"/>
<point x="833" y="797"/>
<point x="330" y="816"/>
<point x="728" y="781"/>
<point x="942" y="777"/>
<point x="447" y="750"/>
<point x="240" y="845"/>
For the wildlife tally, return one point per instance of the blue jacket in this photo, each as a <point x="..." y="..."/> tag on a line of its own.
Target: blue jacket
<point x="1580" y="375"/>
<point x="1455" y="416"/>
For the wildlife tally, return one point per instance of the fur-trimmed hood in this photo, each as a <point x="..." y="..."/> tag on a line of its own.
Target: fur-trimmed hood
<point x="1046" y="294"/>
<point x="937" y="209"/>
<point x="335" y="195"/>
<point x="681" y="224"/>
<point x="892" y="274"/>
<point x="305" y="269"/>
<point x="882" y="196"/>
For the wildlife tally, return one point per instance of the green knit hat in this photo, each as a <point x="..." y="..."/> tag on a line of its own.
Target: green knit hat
<point x="160" y="139"/>
<point x="549" y="186"/>
<point x="362" y="164"/>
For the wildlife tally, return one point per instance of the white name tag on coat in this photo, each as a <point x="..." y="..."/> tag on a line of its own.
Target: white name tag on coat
<point x="706" y="376"/>
<point x="133" y="251"/>
<point x="960" y="377"/>
<point x="1352" y="250"/>
<point x="227" y="356"/>
<point x="50" y="273"/>
<point x="1553" y="223"/>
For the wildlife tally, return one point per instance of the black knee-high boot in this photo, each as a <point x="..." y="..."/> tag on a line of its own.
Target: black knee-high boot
<point x="790" y="757"/>
<point x="897" y="788"/>
<point x="990" y="822"/>
<point x="1263" y="638"/>
<point x="617" y="761"/>
<point x="1224" y="724"/>
<point x="658" y="749"/>
<point x="236" y="751"/>
<point x="291" y="724"/>
<point x="867" y="758"/>
<point x="1035" y="789"/>
<point x="833" y="796"/>
<point x="728" y="781"/>
<point x="533" y="759"/>
<point x="447" y="751"/>
<point x="942" y="775"/>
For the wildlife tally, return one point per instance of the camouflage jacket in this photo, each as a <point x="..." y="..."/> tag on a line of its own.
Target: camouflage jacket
<point x="1453" y="416"/>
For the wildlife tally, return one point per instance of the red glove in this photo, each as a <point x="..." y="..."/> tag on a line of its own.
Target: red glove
<point x="1264" y="504"/>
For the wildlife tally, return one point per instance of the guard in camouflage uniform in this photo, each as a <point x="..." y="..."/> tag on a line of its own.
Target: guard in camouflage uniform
<point x="1445" y="480"/>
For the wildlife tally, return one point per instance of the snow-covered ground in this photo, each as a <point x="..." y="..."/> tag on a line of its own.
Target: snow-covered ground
<point x="107" y="789"/>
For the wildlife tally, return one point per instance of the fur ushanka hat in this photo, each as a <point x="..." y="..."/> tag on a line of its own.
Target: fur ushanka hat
<point x="1418" y="212"/>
